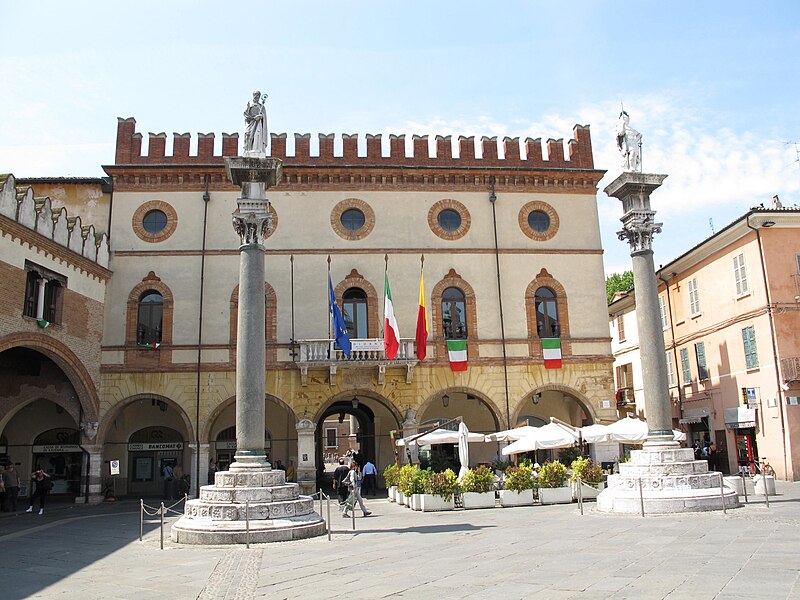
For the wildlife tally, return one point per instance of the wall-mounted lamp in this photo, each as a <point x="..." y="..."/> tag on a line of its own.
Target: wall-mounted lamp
<point x="355" y="402"/>
<point x="445" y="400"/>
<point x="535" y="398"/>
<point x="471" y="397"/>
<point x="768" y="224"/>
<point x="341" y="417"/>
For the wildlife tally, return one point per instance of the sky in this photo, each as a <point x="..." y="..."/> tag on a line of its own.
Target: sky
<point x="712" y="86"/>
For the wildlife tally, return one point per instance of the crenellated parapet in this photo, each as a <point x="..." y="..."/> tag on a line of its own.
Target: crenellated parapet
<point x="528" y="154"/>
<point x="20" y="206"/>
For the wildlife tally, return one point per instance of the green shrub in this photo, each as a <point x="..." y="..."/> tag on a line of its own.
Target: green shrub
<point x="443" y="484"/>
<point x="587" y="470"/>
<point x="479" y="479"/>
<point x="418" y="481"/>
<point x="500" y="464"/>
<point x="552" y="475"/>
<point x="405" y="476"/>
<point x="519" y="479"/>
<point x="567" y="455"/>
<point x="390" y="474"/>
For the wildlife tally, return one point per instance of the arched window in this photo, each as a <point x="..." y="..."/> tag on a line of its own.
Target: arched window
<point x="547" y="324"/>
<point x="454" y="314"/>
<point x="148" y="325"/>
<point x="354" y="304"/>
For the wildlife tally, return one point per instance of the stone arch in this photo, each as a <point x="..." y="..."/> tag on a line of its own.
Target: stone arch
<point x="496" y="411"/>
<point x="72" y="409"/>
<point x="205" y="430"/>
<point x="146" y="358"/>
<point x="66" y="360"/>
<point x="108" y="418"/>
<point x="453" y="279"/>
<point x="580" y="398"/>
<point x="346" y="395"/>
<point x="356" y="280"/>
<point x="544" y="279"/>
<point x="270" y="325"/>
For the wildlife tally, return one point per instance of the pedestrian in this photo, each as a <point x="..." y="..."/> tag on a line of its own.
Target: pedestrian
<point x="43" y="486"/>
<point x="169" y="476"/>
<point x="2" y="489"/>
<point x="279" y="465"/>
<point x="370" y="473"/>
<point x="11" y="483"/>
<point x="212" y="470"/>
<point x="712" y="457"/>
<point x="339" y="476"/>
<point x="290" y="471"/>
<point x="353" y="482"/>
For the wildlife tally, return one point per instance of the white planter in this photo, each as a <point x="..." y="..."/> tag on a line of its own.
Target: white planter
<point x="764" y="482"/>
<point x="512" y="498"/>
<point x="407" y="500"/>
<point x="477" y="499"/>
<point x="559" y="495"/>
<point x="416" y="501"/>
<point x="429" y="503"/>
<point x="392" y="493"/>
<point x="588" y="491"/>
<point x="399" y="497"/>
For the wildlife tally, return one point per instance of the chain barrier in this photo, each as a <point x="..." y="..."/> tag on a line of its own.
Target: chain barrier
<point x="158" y="511"/>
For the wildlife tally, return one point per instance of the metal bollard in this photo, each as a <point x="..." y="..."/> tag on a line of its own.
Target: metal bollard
<point x="354" y="514"/>
<point x="141" y="518"/>
<point x="329" y="517"/>
<point x="766" y="491"/>
<point x="641" y="495"/>
<point x="247" y="522"/>
<point x="744" y="487"/>
<point x="320" y="502"/>
<point x="722" y="494"/>
<point x="580" y="494"/>
<point x="162" y="510"/>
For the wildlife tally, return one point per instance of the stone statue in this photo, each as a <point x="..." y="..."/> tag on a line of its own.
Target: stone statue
<point x="629" y="144"/>
<point x="255" y="120"/>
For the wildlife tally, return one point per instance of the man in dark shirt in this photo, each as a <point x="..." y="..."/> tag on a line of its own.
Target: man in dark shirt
<point x="339" y="475"/>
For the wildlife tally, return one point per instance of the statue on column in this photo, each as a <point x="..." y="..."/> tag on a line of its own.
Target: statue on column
<point x="255" y="120"/>
<point x="629" y="144"/>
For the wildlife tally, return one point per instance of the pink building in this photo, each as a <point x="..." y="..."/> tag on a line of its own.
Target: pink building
<point x="730" y="311"/>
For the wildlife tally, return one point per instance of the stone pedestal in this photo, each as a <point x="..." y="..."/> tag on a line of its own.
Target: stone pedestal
<point x="306" y="456"/>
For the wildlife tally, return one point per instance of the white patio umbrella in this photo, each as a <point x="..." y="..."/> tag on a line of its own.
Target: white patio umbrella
<point x="440" y="436"/>
<point x="592" y="434"/>
<point x="631" y="430"/>
<point x="463" y="449"/>
<point x="547" y="437"/>
<point x="511" y="435"/>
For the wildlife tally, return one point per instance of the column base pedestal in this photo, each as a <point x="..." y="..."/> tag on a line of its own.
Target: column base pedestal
<point x="670" y="480"/>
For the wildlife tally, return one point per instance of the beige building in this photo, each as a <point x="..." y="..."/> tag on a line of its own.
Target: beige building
<point x="730" y="311"/>
<point x="512" y="254"/>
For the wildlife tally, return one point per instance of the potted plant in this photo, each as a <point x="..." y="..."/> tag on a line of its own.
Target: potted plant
<point x="416" y="488"/>
<point x="440" y="489"/>
<point x="552" y="484"/>
<point x="477" y="488"/>
<point x="390" y="476"/>
<point x="517" y="486"/>
<point x="404" y="477"/>
<point x="588" y="476"/>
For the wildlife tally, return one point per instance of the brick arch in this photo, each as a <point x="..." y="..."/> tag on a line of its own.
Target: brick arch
<point x="66" y="360"/>
<point x="145" y="358"/>
<point x="544" y="279"/>
<point x="577" y="396"/>
<point x="356" y="280"/>
<point x="453" y="279"/>
<point x="495" y="409"/>
<point x="270" y="324"/>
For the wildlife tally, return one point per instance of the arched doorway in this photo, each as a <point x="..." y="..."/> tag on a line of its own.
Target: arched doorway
<point x="149" y="450"/>
<point x="224" y="447"/>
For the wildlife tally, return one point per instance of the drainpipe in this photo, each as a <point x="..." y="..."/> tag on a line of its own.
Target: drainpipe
<point x="206" y="198"/>
<point x="493" y="200"/>
<point x="86" y="452"/>
<point x="774" y="345"/>
<point x="674" y="347"/>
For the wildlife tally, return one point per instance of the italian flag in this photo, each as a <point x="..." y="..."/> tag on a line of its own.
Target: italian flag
<point x="422" y="321"/>
<point x="457" y="352"/>
<point x="551" y="348"/>
<point x="151" y="345"/>
<point x="391" y="334"/>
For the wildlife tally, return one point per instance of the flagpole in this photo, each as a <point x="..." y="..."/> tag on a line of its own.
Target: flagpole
<point x="385" y="275"/>
<point x="330" y="308"/>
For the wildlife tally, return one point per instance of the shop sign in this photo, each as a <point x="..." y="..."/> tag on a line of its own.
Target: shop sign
<point x="137" y="447"/>
<point x="56" y="449"/>
<point x="226" y="445"/>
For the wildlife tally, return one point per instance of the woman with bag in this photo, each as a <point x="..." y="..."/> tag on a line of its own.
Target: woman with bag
<point x="43" y="486"/>
<point x="353" y="481"/>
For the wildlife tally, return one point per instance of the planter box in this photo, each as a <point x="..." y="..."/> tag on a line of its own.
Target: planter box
<point x="765" y="485"/>
<point x="399" y="497"/>
<point x="512" y="498"/>
<point x="416" y="501"/>
<point x="392" y="491"/>
<point x="559" y="495"/>
<point x="477" y="499"/>
<point x="588" y="491"/>
<point x="429" y="503"/>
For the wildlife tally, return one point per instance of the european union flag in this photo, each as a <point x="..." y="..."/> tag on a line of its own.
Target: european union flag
<point x="339" y="329"/>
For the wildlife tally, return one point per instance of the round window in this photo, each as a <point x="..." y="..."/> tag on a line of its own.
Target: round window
<point x="449" y="219"/>
<point x="539" y="221"/>
<point x="154" y="221"/>
<point x="352" y="219"/>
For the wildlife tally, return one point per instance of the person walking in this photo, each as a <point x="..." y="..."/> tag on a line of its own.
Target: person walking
<point x="11" y="483"/>
<point x="212" y="470"/>
<point x="169" y="476"/>
<point x="353" y="481"/>
<point x="43" y="486"/>
<point x="370" y="484"/>
<point x="339" y="476"/>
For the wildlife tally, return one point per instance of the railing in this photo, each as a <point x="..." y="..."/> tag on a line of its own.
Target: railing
<point x="796" y="278"/>
<point x="324" y="351"/>
<point x="791" y="368"/>
<point x="625" y="396"/>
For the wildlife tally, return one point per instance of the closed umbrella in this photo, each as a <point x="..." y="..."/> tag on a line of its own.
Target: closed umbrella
<point x="511" y="435"/>
<point x="463" y="449"/>
<point x="631" y="430"/>
<point x="440" y="436"/>
<point x="547" y="437"/>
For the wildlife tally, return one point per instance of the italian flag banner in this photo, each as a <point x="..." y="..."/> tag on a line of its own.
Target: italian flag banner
<point x="391" y="334"/>
<point x="551" y="348"/>
<point x="457" y="351"/>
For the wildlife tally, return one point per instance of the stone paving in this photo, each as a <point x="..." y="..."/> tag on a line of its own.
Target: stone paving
<point x="88" y="553"/>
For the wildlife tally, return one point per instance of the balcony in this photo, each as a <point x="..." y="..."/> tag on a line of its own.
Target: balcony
<point x="364" y="354"/>
<point x="625" y="397"/>
<point x="791" y="368"/>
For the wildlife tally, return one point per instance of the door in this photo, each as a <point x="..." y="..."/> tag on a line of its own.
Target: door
<point x="744" y="453"/>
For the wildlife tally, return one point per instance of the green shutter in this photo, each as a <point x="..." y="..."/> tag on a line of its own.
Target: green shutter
<point x="687" y="370"/>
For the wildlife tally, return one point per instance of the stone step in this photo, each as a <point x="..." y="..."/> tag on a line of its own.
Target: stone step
<point x="274" y="493"/>
<point x="660" y="481"/>
<point x="258" y="511"/>
<point x="698" y="467"/>
<point x="228" y="479"/>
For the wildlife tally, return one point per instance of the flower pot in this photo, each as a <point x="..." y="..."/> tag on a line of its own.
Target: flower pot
<point x="477" y="499"/>
<point x="392" y="491"/>
<point x="429" y="503"/>
<point x="416" y="501"/>
<point x="559" y="495"/>
<point x="588" y="490"/>
<point x="399" y="497"/>
<point x="514" y="498"/>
